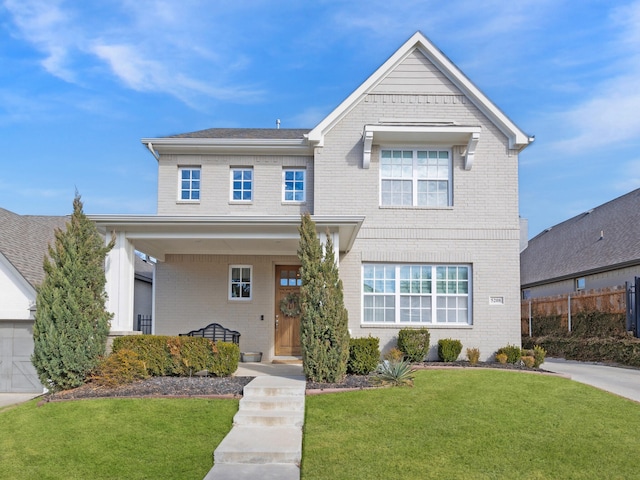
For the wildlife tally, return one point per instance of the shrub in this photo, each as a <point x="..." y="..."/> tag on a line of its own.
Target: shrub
<point x="513" y="353"/>
<point x="528" y="360"/>
<point x="395" y="373"/>
<point x="473" y="355"/>
<point x="364" y="355"/>
<point x="449" y="349"/>
<point x="414" y="343"/>
<point x="394" y="355"/>
<point x="225" y="361"/>
<point x="539" y="355"/>
<point x="181" y="356"/>
<point x="119" y="369"/>
<point x="501" y="358"/>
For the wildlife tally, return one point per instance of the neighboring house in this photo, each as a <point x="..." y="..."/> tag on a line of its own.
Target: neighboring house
<point x="24" y="241"/>
<point x="414" y="176"/>
<point x="143" y="294"/>
<point x="597" y="249"/>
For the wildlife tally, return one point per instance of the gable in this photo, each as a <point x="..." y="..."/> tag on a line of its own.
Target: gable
<point x="16" y="294"/>
<point x="416" y="74"/>
<point x="427" y="68"/>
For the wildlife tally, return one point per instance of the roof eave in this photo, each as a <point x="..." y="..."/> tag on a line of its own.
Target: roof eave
<point x="228" y="146"/>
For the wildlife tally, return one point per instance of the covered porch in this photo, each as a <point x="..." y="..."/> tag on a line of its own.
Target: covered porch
<point x="200" y="259"/>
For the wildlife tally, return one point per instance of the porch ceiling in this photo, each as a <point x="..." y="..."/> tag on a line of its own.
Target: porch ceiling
<point x="159" y="236"/>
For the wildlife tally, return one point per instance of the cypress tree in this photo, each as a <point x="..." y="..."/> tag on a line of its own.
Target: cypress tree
<point x="324" y="334"/>
<point x="71" y="321"/>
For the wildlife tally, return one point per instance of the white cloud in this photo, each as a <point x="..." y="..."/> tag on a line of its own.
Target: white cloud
<point x="46" y="25"/>
<point x="609" y="113"/>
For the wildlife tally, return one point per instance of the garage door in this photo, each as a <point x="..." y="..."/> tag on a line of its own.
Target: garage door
<point x="17" y="375"/>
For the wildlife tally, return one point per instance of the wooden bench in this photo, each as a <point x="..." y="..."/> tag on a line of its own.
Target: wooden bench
<point x="215" y="332"/>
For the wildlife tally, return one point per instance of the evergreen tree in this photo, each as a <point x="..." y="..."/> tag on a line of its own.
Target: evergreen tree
<point x="324" y="334"/>
<point x="71" y="321"/>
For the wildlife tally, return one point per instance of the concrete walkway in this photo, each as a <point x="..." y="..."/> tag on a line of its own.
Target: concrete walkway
<point x="266" y="438"/>
<point x="7" y="399"/>
<point x="621" y="381"/>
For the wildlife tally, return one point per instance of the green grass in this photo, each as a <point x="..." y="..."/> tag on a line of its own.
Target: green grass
<point x="113" y="438"/>
<point x="478" y="424"/>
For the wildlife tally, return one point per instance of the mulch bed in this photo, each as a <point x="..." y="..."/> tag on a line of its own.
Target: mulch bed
<point x="232" y="386"/>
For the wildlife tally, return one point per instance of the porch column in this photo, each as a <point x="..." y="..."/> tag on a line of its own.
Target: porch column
<point x="335" y="237"/>
<point x="120" y="274"/>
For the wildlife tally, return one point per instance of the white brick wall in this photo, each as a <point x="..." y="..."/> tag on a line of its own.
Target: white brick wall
<point x="215" y="185"/>
<point x="481" y="228"/>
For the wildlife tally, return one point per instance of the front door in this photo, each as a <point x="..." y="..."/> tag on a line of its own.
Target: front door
<point x="287" y="314"/>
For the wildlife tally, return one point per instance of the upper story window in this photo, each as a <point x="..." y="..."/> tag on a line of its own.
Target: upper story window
<point x="581" y="283"/>
<point x="294" y="185"/>
<point x="241" y="184"/>
<point x="416" y="177"/>
<point x="189" y="183"/>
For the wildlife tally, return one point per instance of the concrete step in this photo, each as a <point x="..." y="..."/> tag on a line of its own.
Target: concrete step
<point x="275" y="386"/>
<point x="260" y="445"/>
<point x="239" y="471"/>
<point x="260" y="403"/>
<point x="291" y="418"/>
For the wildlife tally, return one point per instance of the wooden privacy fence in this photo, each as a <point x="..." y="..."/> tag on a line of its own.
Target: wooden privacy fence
<point x="562" y="309"/>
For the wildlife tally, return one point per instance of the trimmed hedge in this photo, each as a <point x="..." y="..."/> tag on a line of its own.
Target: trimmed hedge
<point x="414" y="343"/>
<point x="181" y="356"/>
<point x="583" y="324"/>
<point x="449" y="349"/>
<point x="364" y="355"/>
<point x="625" y="351"/>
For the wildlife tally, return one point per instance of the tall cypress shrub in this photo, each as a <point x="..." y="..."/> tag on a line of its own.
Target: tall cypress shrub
<point x="71" y="321"/>
<point x="324" y="333"/>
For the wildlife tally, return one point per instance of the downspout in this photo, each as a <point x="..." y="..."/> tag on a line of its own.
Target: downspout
<point x="153" y="152"/>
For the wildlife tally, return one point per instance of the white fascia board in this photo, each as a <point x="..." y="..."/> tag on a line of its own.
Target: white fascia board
<point x="517" y="138"/>
<point x="141" y="227"/>
<point x="16" y="277"/>
<point x="229" y="146"/>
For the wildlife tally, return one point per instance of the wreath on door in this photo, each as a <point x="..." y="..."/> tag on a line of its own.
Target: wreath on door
<point x="290" y="305"/>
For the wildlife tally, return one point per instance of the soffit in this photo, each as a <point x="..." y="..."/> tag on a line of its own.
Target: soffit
<point x="159" y="236"/>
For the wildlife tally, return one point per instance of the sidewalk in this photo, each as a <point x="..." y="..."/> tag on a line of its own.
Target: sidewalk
<point x="624" y="382"/>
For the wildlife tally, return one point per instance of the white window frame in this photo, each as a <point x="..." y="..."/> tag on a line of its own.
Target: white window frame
<point x="242" y="282"/>
<point x="391" y="304"/>
<point x="232" y="181"/>
<point x="190" y="189"/>
<point x="415" y="178"/>
<point x="284" y="185"/>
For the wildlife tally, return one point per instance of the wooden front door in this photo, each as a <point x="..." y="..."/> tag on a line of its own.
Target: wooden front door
<point x="287" y="314"/>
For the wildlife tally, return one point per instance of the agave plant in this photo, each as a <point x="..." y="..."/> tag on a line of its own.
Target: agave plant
<point x="395" y="373"/>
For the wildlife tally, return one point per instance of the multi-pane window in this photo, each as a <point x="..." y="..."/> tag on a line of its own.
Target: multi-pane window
<point x="240" y="282"/>
<point x="189" y="183"/>
<point x="293" y="185"/>
<point x="415" y="178"/>
<point x="412" y="294"/>
<point x="242" y="184"/>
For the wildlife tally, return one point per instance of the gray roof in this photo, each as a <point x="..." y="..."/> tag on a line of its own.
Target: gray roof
<point x="601" y="239"/>
<point x="24" y="241"/>
<point x="248" y="133"/>
<point x="143" y="269"/>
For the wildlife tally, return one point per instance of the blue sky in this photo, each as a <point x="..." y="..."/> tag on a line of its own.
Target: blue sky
<point x="81" y="82"/>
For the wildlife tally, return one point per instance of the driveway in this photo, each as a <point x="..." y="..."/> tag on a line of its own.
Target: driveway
<point x="15" y="398"/>
<point x="621" y="381"/>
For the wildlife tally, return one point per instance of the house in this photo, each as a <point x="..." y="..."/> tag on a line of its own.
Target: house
<point x="415" y="178"/>
<point x="598" y="249"/>
<point x="24" y="241"/>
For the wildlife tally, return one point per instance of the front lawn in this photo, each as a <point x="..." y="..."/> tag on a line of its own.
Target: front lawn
<point x="113" y="438"/>
<point x="479" y="424"/>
